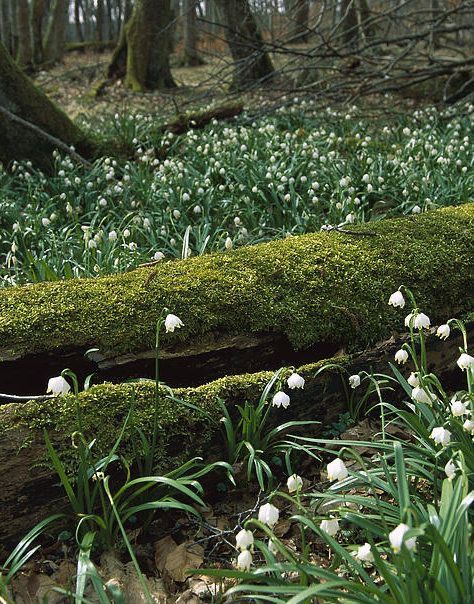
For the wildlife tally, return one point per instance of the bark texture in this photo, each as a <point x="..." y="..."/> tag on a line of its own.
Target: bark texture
<point x="190" y="55"/>
<point x="299" y="17"/>
<point x="25" y="46"/>
<point x="252" y="63"/>
<point x="19" y="96"/>
<point x="142" y="53"/>
<point x="55" y="39"/>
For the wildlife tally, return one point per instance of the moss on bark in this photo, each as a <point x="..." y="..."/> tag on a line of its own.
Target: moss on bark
<point x="322" y="287"/>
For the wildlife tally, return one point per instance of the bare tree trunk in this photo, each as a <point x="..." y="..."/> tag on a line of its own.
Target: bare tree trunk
<point x="365" y="17"/>
<point x="252" y="63"/>
<point x="55" y="40"/>
<point x="14" y="28"/>
<point x="299" y="16"/>
<point x="349" y="24"/>
<point x="100" y="21"/>
<point x="77" y="20"/>
<point x="190" y="56"/>
<point x="144" y="48"/>
<point x="5" y="25"/>
<point x="38" y="9"/>
<point x="25" y="47"/>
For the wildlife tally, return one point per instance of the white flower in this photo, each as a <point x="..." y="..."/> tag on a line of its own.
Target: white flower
<point x="413" y="380"/>
<point x="465" y="361"/>
<point x="58" y="385"/>
<point x="397" y="299"/>
<point x="158" y="256"/>
<point x="113" y="236"/>
<point x="443" y="332"/>
<point x="330" y="526"/>
<point x="458" y="408"/>
<point x="421" y="396"/>
<point x="294" y="483"/>
<point x="295" y="381"/>
<point x="244" y="539"/>
<point x="396" y="538"/>
<point x="337" y="470"/>
<point x="268" y="514"/>
<point x="401" y="356"/>
<point x="354" y="381"/>
<point x="272" y="547"/>
<point x="228" y="243"/>
<point x="281" y="400"/>
<point x="450" y="469"/>
<point x="45" y="222"/>
<point x="177" y="214"/>
<point x="468" y="426"/>
<point x="409" y="319"/>
<point x="172" y="322"/>
<point x="126" y="233"/>
<point x="364" y="553"/>
<point x="422" y="321"/>
<point x="244" y="560"/>
<point x="416" y="209"/>
<point x="441" y="436"/>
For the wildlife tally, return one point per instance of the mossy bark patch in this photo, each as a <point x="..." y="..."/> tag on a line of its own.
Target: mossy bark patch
<point x="314" y="288"/>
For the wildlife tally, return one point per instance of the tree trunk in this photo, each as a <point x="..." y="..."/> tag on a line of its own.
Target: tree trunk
<point x="365" y="19"/>
<point x="190" y="56"/>
<point x="252" y="63"/>
<point x="142" y="53"/>
<point x="299" y="17"/>
<point x="14" y="28"/>
<point x="349" y="23"/>
<point x="25" y="47"/>
<point x="19" y="96"/>
<point x="100" y="21"/>
<point x="55" y="40"/>
<point x="38" y="9"/>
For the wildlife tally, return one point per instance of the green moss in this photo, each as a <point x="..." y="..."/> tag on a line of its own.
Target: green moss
<point x="313" y="288"/>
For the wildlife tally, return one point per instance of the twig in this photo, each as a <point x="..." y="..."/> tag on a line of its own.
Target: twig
<point x="34" y="397"/>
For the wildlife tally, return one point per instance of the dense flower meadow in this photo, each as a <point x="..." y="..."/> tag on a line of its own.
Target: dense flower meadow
<point x="251" y="180"/>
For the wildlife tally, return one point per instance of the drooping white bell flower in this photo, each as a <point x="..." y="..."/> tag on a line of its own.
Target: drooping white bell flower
<point x="281" y="399"/>
<point x="294" y="483"/>
<point x="397" y="538"/>
<point x="330" y="526"/>
<point x="441" y="436"/>
<point x="244" y="560"/>
<point x="468" y="426"/>
<point x="295" y="381"/>
<point x="273" y="547"/>
<point x="228" y="243"/>
<point x="364" y="553"/>
<point x="421" y="396"/>
<point x="244" y="539"/>
<point x="397" y="299"/>
<point x="443" y="332"/>
<point x="58" y="385"/>
<point x="354" y="381"/>
<point x="458" y="408"/>
<point x="450" y="470"/>
<point x="409" y="319"/>
<point x="413" y="380"/>
<point x="422" y="321"/>
<point x="268" y="514"/>
<point x="401" y="356"/>
<point x="337" y="470"/>
<point x="172" y="322"/>
<point x="465" y="361"/>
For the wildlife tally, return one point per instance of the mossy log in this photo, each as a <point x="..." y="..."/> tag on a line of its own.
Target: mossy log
<point x="19" y="96"/>
<point x="285" y="302"/>
<point x="29" y="486"/>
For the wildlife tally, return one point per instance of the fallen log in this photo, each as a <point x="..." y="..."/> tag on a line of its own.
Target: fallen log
<point x="284" y="302"/>
<point x="30" y="491"/>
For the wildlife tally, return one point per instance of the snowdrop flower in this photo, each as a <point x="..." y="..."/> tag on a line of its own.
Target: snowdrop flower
<point x="172" y="322"/>
<point x="176" y="214"/>
<point x="401" y="356"/>
<point x="421" y="396"/>
<point x="458" y="408"/>
<point x="422" y="321"/>
<point x="441" y="436"/>
<point x="58" y="385"/>
<point x="364" y="553"/>
<point x="45" y="222"/>
<point x="465" y="361"/>
<point x="281" y="400"/>
<point x="443" y="332"/>
<point x="268" y="514"/>
<point x="409" y="319"/>
<point x="126" y="233"/>
<point x="413" y="380"/>
<point x="294" y="483"/>
<point x="397" y="538"/>
<point x="337" y="470"/>
<point x="450" y="470"/>
<point x="330" y="526"/>
<point x="228" y="243"/>
<point x="295" y="381"/>
<point x="186" y="197"/>
<point x="197" y="209"/>
<point x="468" y="426"/>
<point x="272" y="547"/>
<point x="416" y="210"/>
<point x="244" y="560"/>
<point x="113" y="236"/>
<point x="354" y="381"/>
<point x="244" y="539"/>
<point x="158" y="256"/>
<point x="397" y="299"/>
